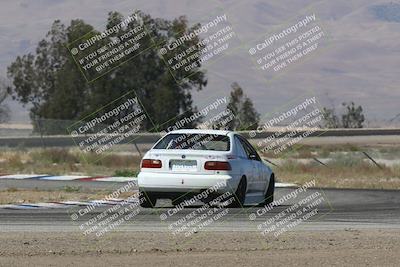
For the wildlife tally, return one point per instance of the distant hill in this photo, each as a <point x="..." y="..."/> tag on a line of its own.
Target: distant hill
<point x="387" y="12"/>
<point x="360" y="63"/>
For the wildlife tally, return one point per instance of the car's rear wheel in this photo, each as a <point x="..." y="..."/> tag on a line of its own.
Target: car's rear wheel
<point x="147" y="200"/>
<point x="269" y="194"/>
<point x="240" y="194"/>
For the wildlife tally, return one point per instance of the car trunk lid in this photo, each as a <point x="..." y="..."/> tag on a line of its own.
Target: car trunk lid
<point x="185" y="161"/>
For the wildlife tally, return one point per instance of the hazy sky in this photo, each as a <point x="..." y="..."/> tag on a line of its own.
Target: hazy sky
<point x="359" y="60"/>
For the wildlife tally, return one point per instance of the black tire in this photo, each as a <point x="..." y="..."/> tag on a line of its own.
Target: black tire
<point x="147" y="200"/>
<point x="240" y="194"/>
<point x="269" y="195"/>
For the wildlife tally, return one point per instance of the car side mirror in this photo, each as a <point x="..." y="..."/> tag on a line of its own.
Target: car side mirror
<point x="253" y="156"/>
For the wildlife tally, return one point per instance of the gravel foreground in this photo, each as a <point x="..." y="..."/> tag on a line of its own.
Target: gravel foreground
<point x="300" y="248"/>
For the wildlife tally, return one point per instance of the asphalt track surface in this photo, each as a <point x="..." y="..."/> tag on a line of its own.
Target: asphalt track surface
<point x="338" y="209"/>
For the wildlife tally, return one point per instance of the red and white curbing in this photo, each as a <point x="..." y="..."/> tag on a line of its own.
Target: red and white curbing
<point x="65" y="204"/>
<point x="286" y="185"/>
<point x="68" y="178"/>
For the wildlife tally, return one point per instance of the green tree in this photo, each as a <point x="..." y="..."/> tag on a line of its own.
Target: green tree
<point x="51" y="82"/>
<point x="331" y="120"/>
<point x="352" y="117"/>
<point x="4" y="110"/>
<point x="246" y="117"/>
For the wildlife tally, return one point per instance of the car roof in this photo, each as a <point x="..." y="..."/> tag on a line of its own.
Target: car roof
<point x="201" y="131"/>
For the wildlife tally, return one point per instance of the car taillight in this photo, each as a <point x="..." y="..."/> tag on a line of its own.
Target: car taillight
<point x="217" y="165"/>
<point x="151" y="163"/>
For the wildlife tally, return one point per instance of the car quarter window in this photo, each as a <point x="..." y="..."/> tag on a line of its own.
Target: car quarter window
<point x="246" y="149"/>
<point x="240" y="149"/>
<point x="249" y="149"/>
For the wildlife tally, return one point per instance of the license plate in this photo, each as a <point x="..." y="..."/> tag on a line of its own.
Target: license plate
<point x="183" y="165"/>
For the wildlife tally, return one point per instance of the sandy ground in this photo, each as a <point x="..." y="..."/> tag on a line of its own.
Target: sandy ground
<point x="20" y="196"/>
<point x="300" y="248"/>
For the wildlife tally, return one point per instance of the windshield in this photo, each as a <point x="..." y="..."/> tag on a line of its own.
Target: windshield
<point x="195" y="142"/>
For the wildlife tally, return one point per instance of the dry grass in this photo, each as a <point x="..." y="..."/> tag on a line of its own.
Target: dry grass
<point x="307" y="151"/>
<point x="343" y="172"/>
<point x="348" y="166"/>
<point x="65" y="161"/>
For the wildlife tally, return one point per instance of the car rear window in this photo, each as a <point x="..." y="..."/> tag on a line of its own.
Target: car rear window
<point x="195" y="142"/>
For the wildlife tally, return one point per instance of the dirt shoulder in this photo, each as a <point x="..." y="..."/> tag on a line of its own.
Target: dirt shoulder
<point x="21" y="196"/>
<point x="301" y="248"/>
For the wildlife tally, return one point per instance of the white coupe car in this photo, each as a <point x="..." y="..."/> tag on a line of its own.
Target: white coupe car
<point x="187" y="162"/>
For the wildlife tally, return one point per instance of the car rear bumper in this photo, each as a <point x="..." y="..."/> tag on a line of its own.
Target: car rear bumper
<point x="166" y="182"/>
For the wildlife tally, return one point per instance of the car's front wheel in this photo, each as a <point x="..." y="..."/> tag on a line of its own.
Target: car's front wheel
<point x="147" y="200"/>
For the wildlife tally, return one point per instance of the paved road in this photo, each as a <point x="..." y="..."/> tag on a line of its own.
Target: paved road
<point x="337" y="209"/>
